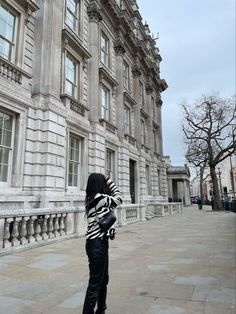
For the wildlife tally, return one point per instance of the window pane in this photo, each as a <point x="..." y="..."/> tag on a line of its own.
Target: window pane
<point x="71" y="4"/>
<point x="5" y="49"/>
<point x="4" y="156"/>
<point x="7" y="24"/>
<point x="105" y="99"/>
<point x="3" y="173"/>
<point x="72" y="14"/>
<point x="7" y="32"/>
<point x="6" y="138"/>
<point x="4" y="164"/>
<point x="74" y="161"/>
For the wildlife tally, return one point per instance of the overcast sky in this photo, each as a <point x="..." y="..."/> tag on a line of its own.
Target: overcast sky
<point x="197" y="46"/>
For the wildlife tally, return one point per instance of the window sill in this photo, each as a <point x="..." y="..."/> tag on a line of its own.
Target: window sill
<point x="109" y="127"/>
<point x="130" y="139"/>
<point x="74" y="104"/>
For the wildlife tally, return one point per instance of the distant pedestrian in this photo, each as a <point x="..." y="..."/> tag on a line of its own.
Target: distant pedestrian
<point x="102" y="195"/>
<point x="199" y="202"/>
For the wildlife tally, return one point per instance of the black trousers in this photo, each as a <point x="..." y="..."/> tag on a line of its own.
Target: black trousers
<point x="97" y="251"/>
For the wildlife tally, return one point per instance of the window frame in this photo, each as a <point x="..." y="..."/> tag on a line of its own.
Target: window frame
<point x="11" y="151"/>
<point x="76" y="16"/>
<point x="155" y="140"/>
<point x="75" y="84"/>
<point x="141" y="93"/>
<point x="106" y="108"/>
<point x="126" y="75"/>
<point x="143" y="132"/>
<point x="127" y="124"/>
<point x="13" y="43"/>
<point x="110" y="172"/>
<point x="78" y="162"/>
<point x="105" y="52"/>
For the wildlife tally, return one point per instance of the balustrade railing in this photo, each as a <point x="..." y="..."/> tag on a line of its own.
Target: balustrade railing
<point x="12" y="72"/>
<point x="22" y="229"/>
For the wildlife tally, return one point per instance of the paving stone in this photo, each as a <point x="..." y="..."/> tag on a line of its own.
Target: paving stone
<point x="193" y="272"/>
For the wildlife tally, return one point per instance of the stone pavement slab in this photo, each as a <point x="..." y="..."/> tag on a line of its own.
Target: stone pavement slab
<point x="179" y="264"/>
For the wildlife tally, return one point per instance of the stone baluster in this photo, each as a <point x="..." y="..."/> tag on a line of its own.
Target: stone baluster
<point x="37" y="229"/>
<point x="62" y="224"/>
<point x="15" y="232"/>
<point x="56" y="226"/>
<point x="7" y="235"/>
<point x="23" y="231"/>
<point x="31" y="237"/>
<point x="50" y="227"/>
<point x="45" y="228"/>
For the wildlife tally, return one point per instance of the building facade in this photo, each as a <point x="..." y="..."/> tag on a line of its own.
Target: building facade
<point x="80" y="92"/>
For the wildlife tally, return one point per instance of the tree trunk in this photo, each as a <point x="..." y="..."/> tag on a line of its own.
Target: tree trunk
<point x="217" y="204"/>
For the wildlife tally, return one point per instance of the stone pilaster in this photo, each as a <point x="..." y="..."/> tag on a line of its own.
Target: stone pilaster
<point x="136" y="75"/>
<point x="149" y="91"/>
<point x="93" y="73"/>
<point x="47" y="65"/>
<point x="120" y="50"/>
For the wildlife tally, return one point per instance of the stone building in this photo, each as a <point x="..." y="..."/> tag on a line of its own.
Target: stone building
<point x="80" y="92"/>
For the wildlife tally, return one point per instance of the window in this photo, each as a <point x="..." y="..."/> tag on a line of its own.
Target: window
<point x="147" y="171"/>
<point x="141" y="93"/>
<point x="74" y="172"/>
<point x="155" y="140"/>
<point x="104" y="49"/>
<point x="71" y="76"/>
<point x="110" y="163"/>
<point x="8" y="28"/>
<point x="153" y="107"/>
<point x="6" y="146"/>
<point x="126" y="120"/>
<point x="105" y="102"/>
<point x="143" y="141"/>
<point x="72" y="13"/>
<point x="126" y="74"/>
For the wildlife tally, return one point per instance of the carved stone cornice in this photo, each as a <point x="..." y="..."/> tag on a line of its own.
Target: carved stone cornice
<point x="149" y="88"/>
<point x="136" y="71"/>
<point x="94" y="13"/>
<point x="119" y="47"/>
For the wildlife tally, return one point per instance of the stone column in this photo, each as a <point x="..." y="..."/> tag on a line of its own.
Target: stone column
<point x="170" y="188"/>
<point x="119" y="50"/>
<point x="93" y="63"/>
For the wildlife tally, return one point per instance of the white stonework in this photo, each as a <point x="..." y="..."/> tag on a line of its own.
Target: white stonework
<point x="63" y="127"/>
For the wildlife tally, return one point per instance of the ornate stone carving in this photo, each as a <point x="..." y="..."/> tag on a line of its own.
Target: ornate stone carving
<point x="119" y="47"/>
<point x="149" y="88"/>
<point x="93" y="13"/>
<point x="136" y="71"/>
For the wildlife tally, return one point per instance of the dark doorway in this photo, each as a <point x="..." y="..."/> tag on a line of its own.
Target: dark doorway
<point x="132" y="180"/>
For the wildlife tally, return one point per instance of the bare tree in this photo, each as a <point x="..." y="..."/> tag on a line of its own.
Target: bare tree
<point x="209" y="131"/>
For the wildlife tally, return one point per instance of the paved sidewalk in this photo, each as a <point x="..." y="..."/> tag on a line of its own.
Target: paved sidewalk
<point x="180" y="264"/>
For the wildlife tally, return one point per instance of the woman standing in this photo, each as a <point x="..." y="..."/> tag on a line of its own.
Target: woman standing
<point x="102" y="195"/>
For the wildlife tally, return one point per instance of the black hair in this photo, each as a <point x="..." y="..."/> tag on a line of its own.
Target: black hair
<point x="96" y="184"/>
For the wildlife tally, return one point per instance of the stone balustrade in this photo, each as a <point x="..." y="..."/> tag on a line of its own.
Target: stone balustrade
<point x="163" y="209"/>
<point x="22" y="229"/>
<point x="12" y="72"/>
